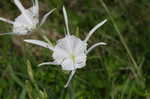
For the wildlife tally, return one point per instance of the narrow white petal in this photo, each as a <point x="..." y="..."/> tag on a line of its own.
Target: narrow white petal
<point x="6" y="20"/>
<point x="46" y="16"/>
<point x="36" y="7"/>
<point x="9" y="33"/>
<point x="48" y="63"/>
<point x="95" y="45"/>
<point x="37" y="4"/>
<point x="40" y="43"/>
<point x="70" y="77"/>
<point x="66" y="20"/>
<point x="94" y="29"/>
<point x="22" y="9"/>
<point x="33" y="2"/>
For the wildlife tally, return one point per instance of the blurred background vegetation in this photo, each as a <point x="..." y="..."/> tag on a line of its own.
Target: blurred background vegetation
<point x="120" y="70"/>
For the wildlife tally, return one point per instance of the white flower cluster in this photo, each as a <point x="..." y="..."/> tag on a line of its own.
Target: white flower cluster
<point x="28" y="20"/>
<point x="69" y="52"/>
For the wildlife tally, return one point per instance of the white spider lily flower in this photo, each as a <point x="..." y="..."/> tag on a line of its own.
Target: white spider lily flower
<point x="70" y="52"/>
<point x="28" y="20"/>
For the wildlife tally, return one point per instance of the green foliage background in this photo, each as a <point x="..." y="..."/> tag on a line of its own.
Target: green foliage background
<point x="120" y="70"/>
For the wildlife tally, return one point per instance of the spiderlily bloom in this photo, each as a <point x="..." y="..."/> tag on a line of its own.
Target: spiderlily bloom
<point x="28" y="20"/>
<point x="70" y="52"/>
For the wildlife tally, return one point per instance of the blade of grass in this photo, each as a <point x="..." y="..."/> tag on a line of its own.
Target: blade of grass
<point x="30" y="73"/>
<point x="42" y="95"/>
<point x="136" y="70"/>
<point x="23" y="94"/>
<point x="124" y="89"/>
<point x="14" y="77"/>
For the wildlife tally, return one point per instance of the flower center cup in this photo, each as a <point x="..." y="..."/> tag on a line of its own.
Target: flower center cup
<point x="73" y="57"/>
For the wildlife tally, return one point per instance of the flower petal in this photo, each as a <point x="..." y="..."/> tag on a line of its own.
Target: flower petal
<point x="46" y="15"/>
<point x="40" y="43"/>
<point x="80" y="61"/>
<point x="60" y="55"/>
<point x="68" y="65"/>
<point x="80" y="47"/>
<point x="8" y="33"/>
<point x="6" y="20"/>
<point x="94" y="29"/>
<point x="21" y="29"/>
<point x="95" y="45"/>
<point x="48" y="63"/>
<point x="71" y="44"/>
<point x="37" y="6"/>
<point x="66" y="20"/>
<point x="64" y="44"/>
<point x="33" y="2"/>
